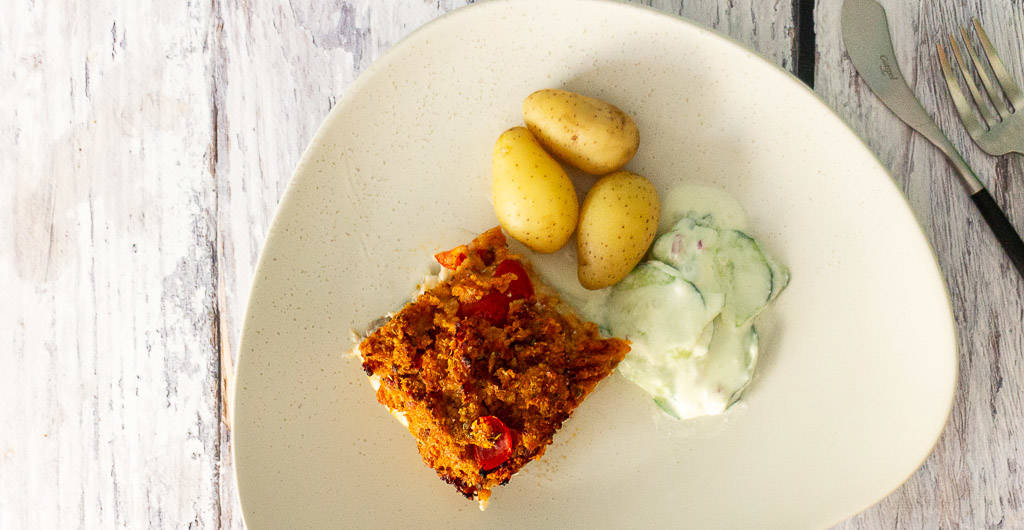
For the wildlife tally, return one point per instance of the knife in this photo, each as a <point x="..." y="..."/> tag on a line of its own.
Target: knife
<point x="866" y="36"/>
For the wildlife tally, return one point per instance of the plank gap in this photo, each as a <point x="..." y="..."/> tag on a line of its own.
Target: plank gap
<point x="805" y="43"/>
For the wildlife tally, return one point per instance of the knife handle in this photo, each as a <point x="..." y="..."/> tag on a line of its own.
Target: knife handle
<point x="1001" y="227"/>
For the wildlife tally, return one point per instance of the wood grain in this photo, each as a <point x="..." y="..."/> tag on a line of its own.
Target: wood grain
<point x="147" y="145"/>
<point x="973" y="479"/>
<point x="109" y="381"/>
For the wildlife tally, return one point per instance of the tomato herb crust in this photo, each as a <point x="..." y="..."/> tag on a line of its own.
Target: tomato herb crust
<point x="486" y="365"/>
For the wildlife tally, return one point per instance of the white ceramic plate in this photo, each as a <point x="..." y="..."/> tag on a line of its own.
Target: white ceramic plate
<point x="859" y="362"/>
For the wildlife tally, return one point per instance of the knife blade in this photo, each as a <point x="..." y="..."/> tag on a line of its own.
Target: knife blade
<point x="866" y="36"/>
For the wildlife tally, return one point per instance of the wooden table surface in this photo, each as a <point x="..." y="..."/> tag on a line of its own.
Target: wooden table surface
<point x="146" y="144"/>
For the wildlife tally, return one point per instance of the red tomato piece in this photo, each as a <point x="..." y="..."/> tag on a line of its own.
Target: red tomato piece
<point x="493" y="307"/>
<point x="521" y="287"/>
<point x="489" y="458"/>
<point x="451" y="259"/>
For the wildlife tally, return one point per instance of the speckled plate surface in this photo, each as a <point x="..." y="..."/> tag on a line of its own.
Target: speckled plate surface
<point x="859" y="360"/>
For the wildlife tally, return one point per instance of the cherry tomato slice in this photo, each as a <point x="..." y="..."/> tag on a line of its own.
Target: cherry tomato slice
<point x="493" y="307"/>
<point x="451" y="259"/>
<point x="489" y="458"/>
<point x="521" y="287"/>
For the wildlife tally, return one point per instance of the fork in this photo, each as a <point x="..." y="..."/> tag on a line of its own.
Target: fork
<point x="998" y="129"/>
<point x="999" y="132"/>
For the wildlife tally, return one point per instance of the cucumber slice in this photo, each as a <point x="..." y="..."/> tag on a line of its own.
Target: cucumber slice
<point x="646" y="274"/>
<point x="681" y="243"/>
<point x="666" y="407"/>
<point x="752" y="349"/>
<point x="780" y="276"/>
<point x="731" y="360"/>
<point x="726" y="261"/>
<point x="703" y="345"/>
<point x="745" y="275"/>
<point x="689" y="247"/>
<point x="656" y="305"/>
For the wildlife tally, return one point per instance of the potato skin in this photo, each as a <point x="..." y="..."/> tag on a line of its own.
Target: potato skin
<point x="587" y="133"/>
<point x="533" y="197"/>
<point x="617" y="225"/>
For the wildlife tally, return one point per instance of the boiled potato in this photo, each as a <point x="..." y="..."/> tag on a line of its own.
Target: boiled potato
<point x="617" y="224"/>
<point x="533" y="197"/>
<point x="590" y="134"/>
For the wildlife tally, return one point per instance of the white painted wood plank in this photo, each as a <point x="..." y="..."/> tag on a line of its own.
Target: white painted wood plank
<point x="108" y="391"/>
<point x="765" y="26"/>
<point x="973" y="479"/>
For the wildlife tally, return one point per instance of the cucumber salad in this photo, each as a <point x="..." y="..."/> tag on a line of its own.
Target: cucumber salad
<point x="689" y="309"/>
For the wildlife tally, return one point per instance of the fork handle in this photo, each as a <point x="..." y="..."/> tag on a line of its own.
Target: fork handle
<point x="1001" y="227"/>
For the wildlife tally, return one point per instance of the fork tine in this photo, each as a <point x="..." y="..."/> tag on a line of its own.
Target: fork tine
<point x="967" y="115"/>
<point x="994" y="94"/>
<point x="988" y="116"/>
<point x="1013" y="92"/>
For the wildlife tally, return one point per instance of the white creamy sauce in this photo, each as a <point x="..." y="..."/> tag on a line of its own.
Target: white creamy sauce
<point x="647" y="311"/>
<point x="688" y="311"/>
<point x="398" y="415"/>
<point x="696" y="201"/>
